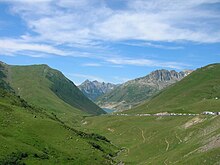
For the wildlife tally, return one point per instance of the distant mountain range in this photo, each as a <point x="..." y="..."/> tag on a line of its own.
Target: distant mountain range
<point x="95" y="89"/>
<point x="133" y="92"/>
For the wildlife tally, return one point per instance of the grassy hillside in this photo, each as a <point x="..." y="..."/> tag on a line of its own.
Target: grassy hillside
<point x="30" y="135"/>
<point x="134" y="92"/>
<point x="33" y="135"/>
<point x="126" y="96"/>
<point x="3" y="77"/>
<point x="50" y="89"/>
<point x="198" y="92"/>
<point x="161" y="140"/>
<point x="170" y="139"/>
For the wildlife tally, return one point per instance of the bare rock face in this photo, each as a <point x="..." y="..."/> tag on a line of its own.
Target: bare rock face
<point x="161" y="78"/>
<point x="135" y="91"/>
<point x="94" y="89"/>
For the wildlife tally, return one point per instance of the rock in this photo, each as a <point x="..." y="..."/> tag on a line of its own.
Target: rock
<point x="94" y="89"/>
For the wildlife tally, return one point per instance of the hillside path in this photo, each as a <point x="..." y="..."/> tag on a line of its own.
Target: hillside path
<point x="142" y="134"/>
<point x="168" y="145"/>
<point x="180" y="141"/>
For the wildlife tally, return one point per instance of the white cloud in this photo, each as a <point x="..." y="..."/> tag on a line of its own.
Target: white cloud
<point x="13" y="47"/>
<point x="92" y="64"/>
<point x="8" y="46"/>
<point x="85" y="22"/>
<point x="75" y="3"/>
<point x="152" y="27"/>
<point x="148" y="44"/>
<point x="146" y="62"/>
<point x="164" y="5"/>
<point x="62" y="25"/>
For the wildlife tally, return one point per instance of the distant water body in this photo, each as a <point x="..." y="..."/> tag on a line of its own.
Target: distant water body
<point x="108" y="110"/>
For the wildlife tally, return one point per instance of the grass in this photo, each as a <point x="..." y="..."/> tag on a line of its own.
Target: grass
<point x="145" y="138"/>
<point x="51" y="135"/>
<point x="44" y="87"/>
<point x="198" y="92"/>
<point x="170" y="140"/>
<point x="126" y="96"/>
<point x="41" y="85"/>
<point x="30" y="136"/>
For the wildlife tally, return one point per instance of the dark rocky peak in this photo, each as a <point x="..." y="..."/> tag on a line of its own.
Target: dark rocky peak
<point x="94" y="89"/>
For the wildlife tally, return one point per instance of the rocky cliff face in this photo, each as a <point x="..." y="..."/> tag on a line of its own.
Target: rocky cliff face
<point x="160" y="78"/>
<point x="95" y="89"/>
<point x="138" y="90"/>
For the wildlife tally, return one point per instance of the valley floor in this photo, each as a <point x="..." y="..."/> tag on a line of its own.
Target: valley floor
<point x="161" y="139"/>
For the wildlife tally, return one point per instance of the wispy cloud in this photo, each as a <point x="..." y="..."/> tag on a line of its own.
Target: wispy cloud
<point x="74" y="28"/>
<point x="105" y="63"/>
<point x="148" y="44"/>
<point x="146" y="62"/>
<point x="9" y="46"/>
<point x="87" y="22"/>
<point x="12" y="47"/>
<point x="92" y="64"/>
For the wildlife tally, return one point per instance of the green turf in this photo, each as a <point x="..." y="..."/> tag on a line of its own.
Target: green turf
<point x="31" y="136"/>
<point x="145" y="138"/>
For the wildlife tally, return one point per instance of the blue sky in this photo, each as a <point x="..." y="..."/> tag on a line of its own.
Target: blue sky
<point x="110" y="40"/>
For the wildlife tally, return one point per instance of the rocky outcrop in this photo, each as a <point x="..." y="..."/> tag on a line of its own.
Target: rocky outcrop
<point x="95" y="89"/>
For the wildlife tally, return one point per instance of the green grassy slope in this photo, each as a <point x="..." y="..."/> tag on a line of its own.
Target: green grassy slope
<point x="123" y="97"/>
<point x="161" y="140"/>
<point x="32" y="136"/>
<point x="50" y="89"/>
<point x="198" y="92"/>
<point x="135" y="92"/>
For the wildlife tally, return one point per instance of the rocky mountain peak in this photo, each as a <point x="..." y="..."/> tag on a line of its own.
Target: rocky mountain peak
<point x="86" y="82"/>
<point x="94" y="89"/>
<point x="165" y="75"/>
<point x="138" y="90"/>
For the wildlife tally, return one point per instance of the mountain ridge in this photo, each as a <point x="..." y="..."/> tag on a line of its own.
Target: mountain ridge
<point x="133" y="92"/>
<point x="42" y="85"/>
<point x="196" y="93"/>
<point x="95" y="89"/>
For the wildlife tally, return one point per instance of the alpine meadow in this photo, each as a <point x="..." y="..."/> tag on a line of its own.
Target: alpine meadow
<point x="109" y="82"/>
